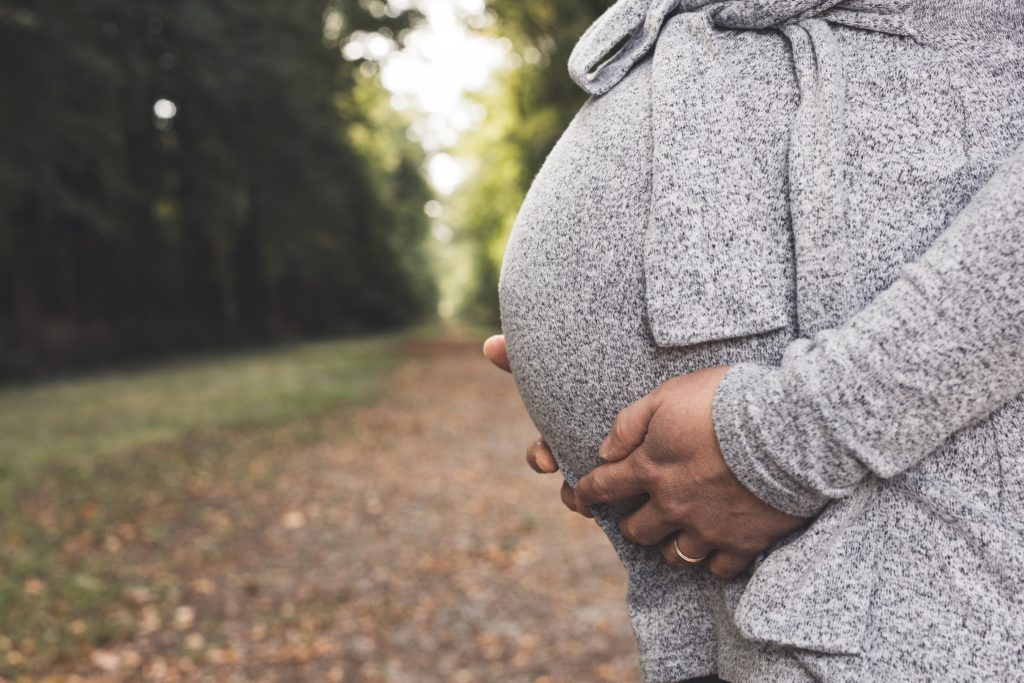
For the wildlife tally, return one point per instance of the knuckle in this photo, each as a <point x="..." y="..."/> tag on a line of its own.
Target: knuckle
<point x="627" y="531"/>
<point x="720" y="565"/>
<point x="718" y="571"/>
<point x="582" y="489"/>
<point x="676" y="509"/>
<point x="699" y="534"/>
<point x="618" y="430"/>
<point x="748" y="547"/>
<point x="644" y="470"/>
<point x="669" y="553"/>
<point x="656" y="536"/>
<point x="645" y="537"/>
<point x="594" y="487"/>
<point x="741" y="545"/>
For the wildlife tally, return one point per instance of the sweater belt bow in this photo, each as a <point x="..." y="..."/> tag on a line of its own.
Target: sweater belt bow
<point x="629" y="29"/>
<point x="707" y="195"/>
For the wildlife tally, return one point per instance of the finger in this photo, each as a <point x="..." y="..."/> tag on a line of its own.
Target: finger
<point x="609" y="483"/>
<point x="689" y="546"/>
<point x="497" y="352"/>
<point x="727" y="565"/>
<point x="646" y="526"/>
<point x="628" y="430"/>
<point x="568" y="496"/>
<point x="540" y="457"/>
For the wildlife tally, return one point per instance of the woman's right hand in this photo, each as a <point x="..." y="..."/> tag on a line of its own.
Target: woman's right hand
<point x="538" y="455"/>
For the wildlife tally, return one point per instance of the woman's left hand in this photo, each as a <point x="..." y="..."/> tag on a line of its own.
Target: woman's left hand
<point x="664" y="445"/>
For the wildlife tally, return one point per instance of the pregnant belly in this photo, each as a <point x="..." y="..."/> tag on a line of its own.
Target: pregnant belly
<point x="571" y="288"/>
<point x="572" y="283"/>
<point x="581" y="351"/>
<point x="577" y="364"/>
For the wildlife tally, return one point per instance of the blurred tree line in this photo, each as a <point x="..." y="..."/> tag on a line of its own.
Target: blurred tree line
<point x="527" y="111"/>
<point x="185" y="173"/>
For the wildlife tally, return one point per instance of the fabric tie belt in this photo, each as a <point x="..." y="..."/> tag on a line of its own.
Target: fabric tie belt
<point x="633" y="26"/>
<point x="628" y="32"/>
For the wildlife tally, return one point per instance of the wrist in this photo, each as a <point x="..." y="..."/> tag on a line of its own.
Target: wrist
<point x="747" y="396"/>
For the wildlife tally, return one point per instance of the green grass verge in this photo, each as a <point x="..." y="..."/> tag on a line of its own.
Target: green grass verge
<point x="78" y="423"/>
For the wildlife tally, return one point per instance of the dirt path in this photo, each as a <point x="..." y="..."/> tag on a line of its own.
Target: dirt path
<point x="404" y="542"/>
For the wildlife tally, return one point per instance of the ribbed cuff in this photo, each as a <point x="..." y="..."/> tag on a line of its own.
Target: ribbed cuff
<point x="748" y="396"/>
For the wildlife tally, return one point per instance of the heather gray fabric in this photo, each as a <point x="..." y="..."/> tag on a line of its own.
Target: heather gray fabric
<point x="748" y="187"/>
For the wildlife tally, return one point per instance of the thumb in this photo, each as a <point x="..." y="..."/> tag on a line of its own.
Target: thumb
<point x="629" y="429"/>
<point x="496" y="352"/>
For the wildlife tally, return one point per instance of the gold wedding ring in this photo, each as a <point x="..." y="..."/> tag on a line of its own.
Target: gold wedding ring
<point x="684" y="558"/>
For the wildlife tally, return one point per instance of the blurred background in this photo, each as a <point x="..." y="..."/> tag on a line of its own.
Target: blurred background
<point x="248" y="252"/>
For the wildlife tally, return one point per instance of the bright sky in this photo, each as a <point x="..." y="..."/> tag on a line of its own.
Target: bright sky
<point x="442" y="61"/>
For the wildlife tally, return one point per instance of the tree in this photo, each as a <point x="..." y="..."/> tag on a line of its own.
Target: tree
<point x="180" y="173"/>
<point x="529" y="107"/>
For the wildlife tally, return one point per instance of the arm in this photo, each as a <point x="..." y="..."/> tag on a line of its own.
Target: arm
<point x="937" y="351"/>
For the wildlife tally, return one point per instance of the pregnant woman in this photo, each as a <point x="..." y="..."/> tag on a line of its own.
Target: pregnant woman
<point x="773" y="273"/>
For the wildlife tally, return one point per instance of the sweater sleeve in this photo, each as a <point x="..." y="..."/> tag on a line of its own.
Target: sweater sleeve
<point x="939" y="350"/>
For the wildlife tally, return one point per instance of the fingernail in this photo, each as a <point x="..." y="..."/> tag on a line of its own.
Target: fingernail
<point x="602" y="450"/>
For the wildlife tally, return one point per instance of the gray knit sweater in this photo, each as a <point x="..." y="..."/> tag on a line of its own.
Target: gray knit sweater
<point x="829" y="196"/>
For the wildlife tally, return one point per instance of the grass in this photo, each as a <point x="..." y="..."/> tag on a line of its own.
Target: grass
<point x="80" y="422"/>
<point x="94" y="463"/>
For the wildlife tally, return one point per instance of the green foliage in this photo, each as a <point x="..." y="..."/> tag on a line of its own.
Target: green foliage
<point x="251" y="214"/>
<point x="528" y="110"/>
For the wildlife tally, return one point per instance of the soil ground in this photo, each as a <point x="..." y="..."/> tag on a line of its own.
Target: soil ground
<point x="404" y="541"/>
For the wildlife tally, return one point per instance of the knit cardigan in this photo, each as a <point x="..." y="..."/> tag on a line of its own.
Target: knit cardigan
<point x="895" y="416"/>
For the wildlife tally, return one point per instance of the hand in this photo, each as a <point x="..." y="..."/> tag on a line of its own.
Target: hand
<point x="664" y="445"/>
<point x="538" y="455"/>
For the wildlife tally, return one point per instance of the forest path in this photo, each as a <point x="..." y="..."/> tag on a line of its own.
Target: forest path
<point x="405" y="541"/>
